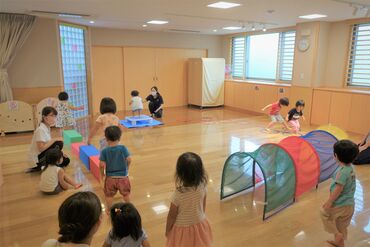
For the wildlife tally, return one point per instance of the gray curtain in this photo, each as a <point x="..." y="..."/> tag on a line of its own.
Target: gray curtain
<point x="14" y="30"/>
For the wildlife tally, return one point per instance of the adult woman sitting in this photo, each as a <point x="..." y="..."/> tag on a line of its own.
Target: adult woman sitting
<point x="364" y="155"/>
<point x="155" y="103"/>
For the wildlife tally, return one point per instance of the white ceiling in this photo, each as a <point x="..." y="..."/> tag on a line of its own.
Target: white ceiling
<point x="187" y="14"/>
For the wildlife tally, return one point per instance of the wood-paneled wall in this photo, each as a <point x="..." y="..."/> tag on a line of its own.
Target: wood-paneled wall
<point x="34" y="95"/>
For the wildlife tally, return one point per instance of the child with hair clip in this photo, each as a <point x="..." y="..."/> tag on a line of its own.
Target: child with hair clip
<point x="187" y="224"/>
<point x="64" y="117"/>
<point x="53" y="178"/>
<point x="116" y="160"/>
<point x="79" y="216"/>
<point x="107" y="118"/>
<point x="136" y="103"/>
<point x="126" y="230"/>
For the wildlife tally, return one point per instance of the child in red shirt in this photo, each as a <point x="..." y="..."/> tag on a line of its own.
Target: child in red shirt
<point x="275" y="113"/>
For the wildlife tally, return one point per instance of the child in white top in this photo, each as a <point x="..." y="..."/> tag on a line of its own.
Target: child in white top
<point x="65" y="119"/>
<point x="136" y="103"/>
<point x="53" y="178"/>
<point x="126" y="227"/>
<point x="107" y="118"/>
<point x="186" y="220"/>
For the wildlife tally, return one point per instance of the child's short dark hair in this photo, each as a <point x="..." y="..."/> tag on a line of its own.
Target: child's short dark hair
<point x="346" y="151"/>
<point x="52" y="156"/>
<point x="46" y="111"/>
<point x="63" y="96"/>
<point x="299" y="103"/>
<point x="77" y="215"/>
<point x="107" y="105"/>
<point x="284" y="101"/>
<point x="134" y="93"/>
<point x="113" y="133"/>
<point x="126" y="221"/>
<point x="190" y="171"/>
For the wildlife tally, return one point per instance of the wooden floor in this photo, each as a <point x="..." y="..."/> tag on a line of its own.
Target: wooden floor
<point x="27" y="218"/>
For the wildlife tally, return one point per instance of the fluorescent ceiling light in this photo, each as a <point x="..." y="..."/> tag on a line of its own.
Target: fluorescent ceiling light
<point x="232" y="28"/>
<point x="145" y="25"/>
<point x="157" y="22"/>
<point x="313" y="16"/>
<point x="70" y="15"/>
<point x="214" y="30"/>
<point x="91" y="22"/>
<point x="223" y="5"/>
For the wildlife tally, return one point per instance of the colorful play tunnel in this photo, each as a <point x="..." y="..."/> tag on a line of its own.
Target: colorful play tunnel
<point x="290" y="168"/>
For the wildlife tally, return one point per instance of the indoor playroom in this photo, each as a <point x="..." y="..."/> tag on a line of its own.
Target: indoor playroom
<point x="191" y="123"/>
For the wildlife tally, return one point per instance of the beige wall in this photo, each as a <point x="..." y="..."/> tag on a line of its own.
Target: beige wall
<point x="37" y="62"/>
<point x="116" y="37"/>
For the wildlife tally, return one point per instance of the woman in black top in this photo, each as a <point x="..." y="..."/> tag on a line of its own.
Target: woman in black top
<point x="155" y="103"/>
<point x="364" y="156"/>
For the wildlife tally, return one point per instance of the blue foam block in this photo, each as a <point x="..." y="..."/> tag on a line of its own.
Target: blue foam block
<point x="86" y="152"/>
<point x="140" y="124"/>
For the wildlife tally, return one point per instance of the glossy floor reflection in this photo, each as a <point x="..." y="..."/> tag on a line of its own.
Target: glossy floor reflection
<point x="27" y="218"/>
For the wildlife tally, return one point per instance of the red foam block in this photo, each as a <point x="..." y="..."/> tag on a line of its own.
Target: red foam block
<point x="94" y="166"/>
<point x="76" y="148"/>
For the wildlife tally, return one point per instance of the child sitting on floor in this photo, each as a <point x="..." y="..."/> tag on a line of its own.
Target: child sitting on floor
<point x="294" y="115"/>
<point x="275" y="113"/>
<point x="136" y="103"/>
<point x="53" y="178"/>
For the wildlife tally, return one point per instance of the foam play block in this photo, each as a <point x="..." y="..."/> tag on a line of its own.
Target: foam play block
<point x="86" y="152"/>
<point x="76" y="148"/>
<point x="71" y="136"/>
<point x="94" y="167"/>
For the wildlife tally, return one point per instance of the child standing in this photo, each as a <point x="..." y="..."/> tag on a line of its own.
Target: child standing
<point x="187" y="224"/>
<point x="294" y="115"/>
<point x="337" y="212"/>
<point x="64" y="117"/>
<point x="116" y="160"/>
<point x="53" y="178"/>
<point x="126" y="227"/>
<point x="107" y="118"/>
<point x="136" y="103"/>
<point x="275" y="113"/>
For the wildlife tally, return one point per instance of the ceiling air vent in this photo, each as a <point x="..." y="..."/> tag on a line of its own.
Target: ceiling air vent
<point x="60" y="14"/>
<point x="183" y="31"/>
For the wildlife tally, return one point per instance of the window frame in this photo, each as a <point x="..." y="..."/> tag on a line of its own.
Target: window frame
<point x="351" y="42"/>
<point x="277" y="78"/>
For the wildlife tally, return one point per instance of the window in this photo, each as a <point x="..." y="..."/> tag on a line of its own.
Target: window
<point x="359" y="57"/>
<point x="262" y="51"/>
<point x="238" y="56"/>
<point x="286" y="55"/>
<point x="264" y="56"/>
<point x="72" y="45"/>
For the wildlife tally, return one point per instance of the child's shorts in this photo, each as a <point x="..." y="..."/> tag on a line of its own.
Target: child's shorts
<point x="294" y="124"/>
<point x="277" y="118"/>
<point x="337" y="219"/>
<point x="114" y="184"/>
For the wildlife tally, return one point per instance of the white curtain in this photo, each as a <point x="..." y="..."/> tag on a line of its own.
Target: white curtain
<point x="14" y="30"/>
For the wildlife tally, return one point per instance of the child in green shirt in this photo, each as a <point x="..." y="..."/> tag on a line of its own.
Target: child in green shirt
<point x="338" y="210"/>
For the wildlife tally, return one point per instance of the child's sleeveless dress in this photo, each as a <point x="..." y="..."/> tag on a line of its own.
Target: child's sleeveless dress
<point x="64" y="117"/>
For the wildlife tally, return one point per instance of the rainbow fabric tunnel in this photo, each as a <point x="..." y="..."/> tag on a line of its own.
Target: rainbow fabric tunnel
<point x="290" y="168"/>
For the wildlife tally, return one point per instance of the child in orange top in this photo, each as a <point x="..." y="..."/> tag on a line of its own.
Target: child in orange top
<point x="275" y="113"/>
<point x="107" y="118"/>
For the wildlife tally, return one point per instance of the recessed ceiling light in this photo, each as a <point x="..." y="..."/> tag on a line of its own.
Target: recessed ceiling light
<point x="223" y="5"/>
<point x="232" y="28"/>
<point x="214" y="30"/>
<point x="91" y="22"/>
<point x="157" y="22"/>
<point x="313" y="16"/>
<point x="145" y="25"/>
<point x="264" y="28"/>
<point x="253" y="28"/>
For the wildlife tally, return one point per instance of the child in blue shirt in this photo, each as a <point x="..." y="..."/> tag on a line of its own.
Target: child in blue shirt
<point x="116" y="160"/>
<point x="338" y="210"/>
